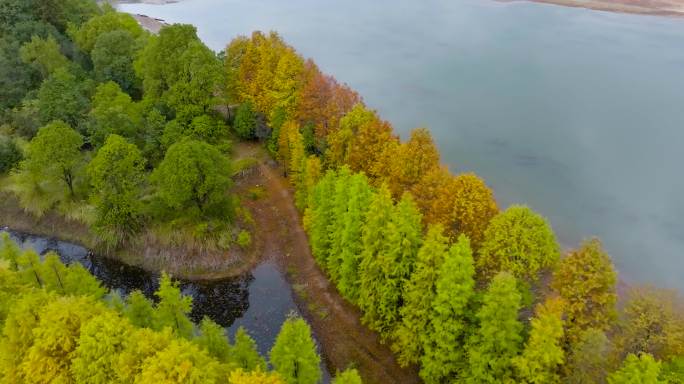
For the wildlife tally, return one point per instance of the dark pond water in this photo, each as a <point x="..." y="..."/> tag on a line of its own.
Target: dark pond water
<point x="259" y="301"/>
<point x="577" y="113"/>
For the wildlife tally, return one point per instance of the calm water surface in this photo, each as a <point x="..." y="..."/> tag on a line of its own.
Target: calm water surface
<point x="576" y="113"/>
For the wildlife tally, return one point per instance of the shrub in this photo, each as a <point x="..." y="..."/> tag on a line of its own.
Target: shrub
<point x="244" y="239"/>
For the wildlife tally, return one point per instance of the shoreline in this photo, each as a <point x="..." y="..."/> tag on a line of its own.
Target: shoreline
<point x="662" y="8"/>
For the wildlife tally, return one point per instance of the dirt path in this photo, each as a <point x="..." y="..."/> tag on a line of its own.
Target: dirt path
<point x="344" y="340"/>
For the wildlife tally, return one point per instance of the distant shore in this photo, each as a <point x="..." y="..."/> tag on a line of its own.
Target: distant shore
<point x="673" y="8"/>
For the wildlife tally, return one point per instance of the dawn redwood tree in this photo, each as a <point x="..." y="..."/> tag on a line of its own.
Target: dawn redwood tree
<point x="403" y="240"/>
<point x="374" y="241"/>
<point x="337" y="224"/>
<point x="102" y="339"/>
<point x="116" y="174"/>
<point x="652" y="322"/>
<point x="54" y="154"/>
<point x="519" y="241"/>
<point x="244" y="352"/>
<point x="294" y="354"/>
<point x="360" y="195"/>
<point x="318" y="217"/>
<point x="543" y="355"/>
<point x="497" y="341"/>
<point x="214" y="340"/>
<point x="139" y="310"/>
<point x="173" y="308"/>
<point x="348" y="376"/>
<point x="586" y="279"/>
<point x="311" y="174"/>
<point x="418" y="296"/>
<point x="444" y="358"/>
<point x="180" y="362"/>
<point x="474" y="207"/>
<point x="435" y="195"/>
<point x="411" y="161"/>
<point x="195" y="177"/>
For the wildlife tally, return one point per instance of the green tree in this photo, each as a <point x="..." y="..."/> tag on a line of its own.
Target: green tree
<point x="9" y="251"/>
<point x="294" y="355"/>
<point x="348" y="376"/>
<point x="173" y="308"/>
<point x="586" y="279"/>
<point x="418" y="296"/>
<point x="244" y="352"/>
<point x="176" y="68"/>
<point x="495" y="344"/>
<point x="336" y="224"/>
<point x="195" y="176"/>
<point x="318" y="217"/>
<point x="43" y="55"/>
<point x="95" y="359"/>
<point x="86" y="35"/>
<point x="181" y="362"/>
<point x="518" y="241"/>
<point x="444" y="358"/>
<point x="245" y="121"/>
<point x="213" y="339"/>
<point x="310" y="175"/>
<point x="113" y="112"/>
<point x="395" y="265"/>
<point x="360" y="196"/>
<point x="637" y="370"/>
<point x="543" y="353"/>
<point x="62" y="96"/>
<point x="116" y="173"/>
<point x="113" y="56"/>
<point x="374" y="241"/>
<point x="139" y="310"/>
<point x="56" y="338"/>
<point x="54" y="154"/>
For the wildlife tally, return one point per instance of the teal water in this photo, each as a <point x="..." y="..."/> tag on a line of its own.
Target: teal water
<point x="576" y="113"/>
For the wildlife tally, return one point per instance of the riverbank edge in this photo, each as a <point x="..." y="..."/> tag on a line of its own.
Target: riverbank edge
<point x="54" y="225"/>
<point x="614" y="7"/>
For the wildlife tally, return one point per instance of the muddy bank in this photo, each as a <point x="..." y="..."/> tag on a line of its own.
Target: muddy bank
<point x="642" y="7"/>
<point x="344" y="340"/>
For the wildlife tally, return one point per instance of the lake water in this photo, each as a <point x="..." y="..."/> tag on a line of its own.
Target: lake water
<point x="576" y="113"/>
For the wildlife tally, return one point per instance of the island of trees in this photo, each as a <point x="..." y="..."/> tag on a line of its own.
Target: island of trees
<point x="131" y="134"/>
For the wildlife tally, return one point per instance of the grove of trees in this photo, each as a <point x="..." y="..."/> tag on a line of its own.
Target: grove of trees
<point x="58" y="324"/>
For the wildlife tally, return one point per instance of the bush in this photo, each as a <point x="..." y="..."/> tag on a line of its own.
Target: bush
<point x="244" y="239"/>
<point x="10" y="154"/>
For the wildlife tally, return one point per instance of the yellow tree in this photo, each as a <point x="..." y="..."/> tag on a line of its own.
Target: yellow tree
<point x="435" y="194"/>
<point x="255" y="377"/>
<point x="284" y="142"/>
<point x="586" y="279"/>
<point x="474" y="207"/>
<point x="287" y="82"/>
<point x="412" y="161"/>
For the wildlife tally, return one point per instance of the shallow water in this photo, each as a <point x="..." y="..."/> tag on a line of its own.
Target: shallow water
<point x="574" y="112"/>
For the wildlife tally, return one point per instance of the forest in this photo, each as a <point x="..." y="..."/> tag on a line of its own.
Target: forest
<point x="133" y="135"/>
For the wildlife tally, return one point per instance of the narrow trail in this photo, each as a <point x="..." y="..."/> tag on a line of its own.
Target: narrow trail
<point x="345" y="342"/>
